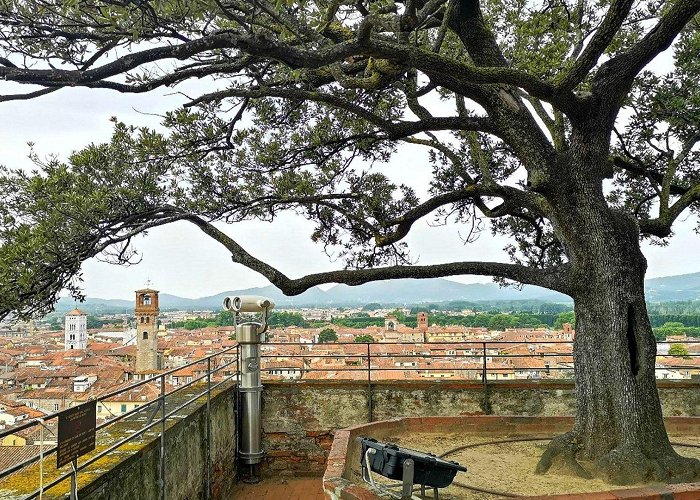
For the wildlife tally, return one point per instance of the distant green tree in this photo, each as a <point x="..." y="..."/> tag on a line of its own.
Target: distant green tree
<point x="225" y="318"/>
<point x="481" y="320"/>
<point x="565" y="317"/>
<point x="94" y="322"/>
<point x="416" y="309"/>
<point x="501" y="322"/>
<point x="372" y="306"/>
<point x="400" y="316"/>
<point x="55" y="323"/>
<point x="327" y="335"/>
<point x="194" y="324"/>
<point x="284" y="318"/>
<point x="674" y="326"/>
<point x="678" y="350"/>
<point x="364" y="338"/>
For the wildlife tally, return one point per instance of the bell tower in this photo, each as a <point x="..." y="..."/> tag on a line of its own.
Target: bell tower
<point x="422" y="321"/>
<point x="146" y="311"/>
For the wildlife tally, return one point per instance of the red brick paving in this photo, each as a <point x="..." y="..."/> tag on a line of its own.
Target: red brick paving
<point x="307" y="488"/>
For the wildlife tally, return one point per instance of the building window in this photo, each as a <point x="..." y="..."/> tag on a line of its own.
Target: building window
<point x="55" y="405"/>
<point x="145" y="335"/>
<point x="123" y="408"/>
<point x="71" y="327"/>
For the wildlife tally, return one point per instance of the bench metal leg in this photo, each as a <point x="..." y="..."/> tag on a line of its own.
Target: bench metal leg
<point x="408" y="469"/>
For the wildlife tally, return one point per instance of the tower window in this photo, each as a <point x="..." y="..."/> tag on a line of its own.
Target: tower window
<point x="141" y="319"/>
<point x="145" y="335"/>
<point x="146" y="300"/>
<point x="148" y="319"/>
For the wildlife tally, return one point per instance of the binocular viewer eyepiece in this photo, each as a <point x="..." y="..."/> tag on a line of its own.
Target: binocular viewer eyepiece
<point x="248" y="304"/>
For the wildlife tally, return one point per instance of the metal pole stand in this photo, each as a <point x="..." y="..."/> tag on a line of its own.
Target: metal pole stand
<point x="250" y="389"/>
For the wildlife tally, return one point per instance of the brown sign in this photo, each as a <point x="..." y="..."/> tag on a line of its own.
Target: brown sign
<point x="76" y="432"/>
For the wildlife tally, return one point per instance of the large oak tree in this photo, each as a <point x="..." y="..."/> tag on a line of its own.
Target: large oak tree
<point x="544" y="117"/>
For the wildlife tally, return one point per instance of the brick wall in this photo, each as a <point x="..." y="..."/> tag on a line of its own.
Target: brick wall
<point x="300" y="418"/>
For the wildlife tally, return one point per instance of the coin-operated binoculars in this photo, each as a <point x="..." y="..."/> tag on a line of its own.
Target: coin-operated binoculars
<point x="249" y="336"/>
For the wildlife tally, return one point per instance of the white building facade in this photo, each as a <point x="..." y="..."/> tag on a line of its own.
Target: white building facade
<point x="75" y="330"/>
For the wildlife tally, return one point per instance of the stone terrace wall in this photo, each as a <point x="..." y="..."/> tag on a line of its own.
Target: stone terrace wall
<point x="136" y="478"/>
<point x="300" y="418"/>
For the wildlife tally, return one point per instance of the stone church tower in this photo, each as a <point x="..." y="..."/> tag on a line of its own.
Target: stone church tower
<point x="422" y="321"/>
<point x="146" y="330"/>
<point x="75" y="330"/>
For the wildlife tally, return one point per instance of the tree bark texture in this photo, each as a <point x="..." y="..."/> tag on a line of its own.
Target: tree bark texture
<point x="619" y="427"/>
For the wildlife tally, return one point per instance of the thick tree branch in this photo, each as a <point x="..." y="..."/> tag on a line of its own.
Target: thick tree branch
<point x="552" y="278"/>
<point x="640" y="170"/>
<point x="615" y="77"/>
<point x="661" y="226"/>
<point x="513" y="198"/>
<point x="596" y="46"/>
<point x="396" y="130"/>
<point x="294" y="57"/>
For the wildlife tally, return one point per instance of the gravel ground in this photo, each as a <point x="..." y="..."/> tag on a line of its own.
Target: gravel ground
<point x="508" y="467"/>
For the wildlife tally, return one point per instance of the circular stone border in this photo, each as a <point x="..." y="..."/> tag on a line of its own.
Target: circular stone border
<point x="342" y="480"/>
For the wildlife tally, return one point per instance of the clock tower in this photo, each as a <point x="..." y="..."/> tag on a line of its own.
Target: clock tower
<point x="146" y="311"/>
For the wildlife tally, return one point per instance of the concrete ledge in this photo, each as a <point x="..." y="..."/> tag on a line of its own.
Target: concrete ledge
<point x="342" y="481"/>
<point x="136" y="476"/>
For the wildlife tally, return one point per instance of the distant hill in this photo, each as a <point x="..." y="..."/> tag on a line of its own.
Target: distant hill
<point x="395" y="292"/>
<point x="672" y="288"/>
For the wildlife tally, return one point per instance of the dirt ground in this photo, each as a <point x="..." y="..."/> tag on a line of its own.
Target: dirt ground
<point x="509" y="467"/>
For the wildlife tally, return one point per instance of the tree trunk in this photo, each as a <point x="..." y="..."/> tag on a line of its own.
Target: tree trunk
<point x="619" y="426"/>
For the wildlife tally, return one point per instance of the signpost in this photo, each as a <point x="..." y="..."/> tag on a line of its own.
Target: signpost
<point x="76" y="432"/>
<point x="76" y="437"/>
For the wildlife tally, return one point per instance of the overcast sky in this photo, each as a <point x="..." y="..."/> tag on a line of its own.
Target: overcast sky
<point x="180" y="260"/>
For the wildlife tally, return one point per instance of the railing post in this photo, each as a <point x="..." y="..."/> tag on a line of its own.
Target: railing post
<point x="486" y="404"/>
<point x="370" y="416"/>
<point x="74" y="480"/>
<point x="207" y="495"/>
<point x="237" y="412"/>
<point x="162" y="437"/>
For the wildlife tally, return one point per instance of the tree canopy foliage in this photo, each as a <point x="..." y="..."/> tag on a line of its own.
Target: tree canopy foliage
<point x="309" y="95"/>
<point x="327" y="335"/>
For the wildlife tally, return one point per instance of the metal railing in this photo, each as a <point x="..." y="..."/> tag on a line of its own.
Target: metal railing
<point x="366" y="359"/>
<point x="480" y="351"/>
<point x="165" y="405"/>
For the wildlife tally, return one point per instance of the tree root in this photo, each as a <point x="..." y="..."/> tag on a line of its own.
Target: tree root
<point x="628" y="465"/>
<point x="562" y="447"/>
<point x="622" y="465"/>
